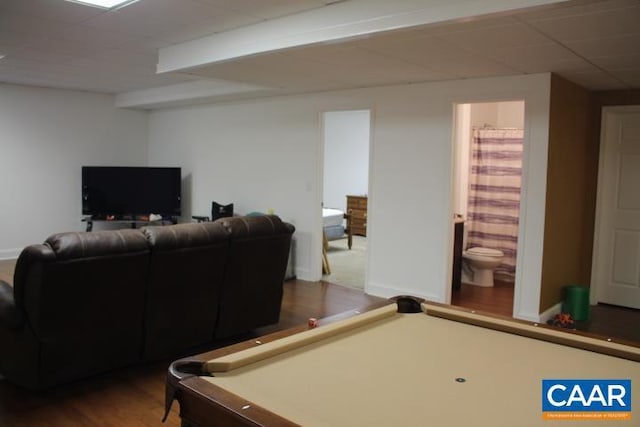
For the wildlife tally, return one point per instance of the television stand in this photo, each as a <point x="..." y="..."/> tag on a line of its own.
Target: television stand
<point x="132" y="223"/>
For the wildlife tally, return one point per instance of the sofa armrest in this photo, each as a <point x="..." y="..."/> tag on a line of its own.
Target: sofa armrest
<point x="10" y="315"/>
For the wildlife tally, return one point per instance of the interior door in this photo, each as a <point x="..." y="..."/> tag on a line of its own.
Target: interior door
<point x="616" y="263"/>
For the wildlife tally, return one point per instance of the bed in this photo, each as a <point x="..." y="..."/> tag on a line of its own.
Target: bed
<point x="333" y="221"/>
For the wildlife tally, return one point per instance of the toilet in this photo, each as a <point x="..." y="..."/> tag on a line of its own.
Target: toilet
<point x="479" y="264"/>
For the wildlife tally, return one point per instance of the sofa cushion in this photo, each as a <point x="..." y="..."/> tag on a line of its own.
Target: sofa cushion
<point x="98" y="243"/>
<point x="185" y="235"/>
<point x="83" y="296"/>
<point x="252" y="290"/>
<point x="256" y="226"/>
<point x="188" y="263"/>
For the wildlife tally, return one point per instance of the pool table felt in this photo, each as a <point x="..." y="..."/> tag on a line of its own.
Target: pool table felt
<point x="402" y="369"/>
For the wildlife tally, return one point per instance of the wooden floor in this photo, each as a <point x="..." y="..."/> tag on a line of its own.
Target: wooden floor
<point x="135" y="396"/>
<point x="496" y="300"/>
<point x="7" y="267"/>
<point x="606" y="320"/>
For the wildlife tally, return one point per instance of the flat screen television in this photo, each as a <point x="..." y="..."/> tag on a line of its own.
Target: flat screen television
<point x="122" y="191"/>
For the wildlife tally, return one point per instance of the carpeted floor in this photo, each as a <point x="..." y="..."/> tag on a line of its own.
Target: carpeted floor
<point x="347" y="266"/>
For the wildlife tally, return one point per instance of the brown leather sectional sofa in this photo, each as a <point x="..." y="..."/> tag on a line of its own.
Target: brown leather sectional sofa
<point x="86" y="303"/>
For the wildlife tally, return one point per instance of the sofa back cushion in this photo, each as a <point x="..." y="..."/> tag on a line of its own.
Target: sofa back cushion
<point x="258" y="255"/>
<point x="188" y="262"/>
<point x="83" y="294"/>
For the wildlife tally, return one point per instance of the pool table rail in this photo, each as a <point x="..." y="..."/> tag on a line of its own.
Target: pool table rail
<point x="199" y="399"/>
<point x="568" y="337"/>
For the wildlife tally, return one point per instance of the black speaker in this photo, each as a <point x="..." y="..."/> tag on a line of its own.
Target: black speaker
<point x="221" y="211"/>
<point x="86" y="203"/>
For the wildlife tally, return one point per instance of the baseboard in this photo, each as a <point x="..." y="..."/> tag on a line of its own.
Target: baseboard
<point x="9" y="253"/>
<point x="549" y="313"/>
<point x="303" y="274"/>
<point x="381" y="291"/>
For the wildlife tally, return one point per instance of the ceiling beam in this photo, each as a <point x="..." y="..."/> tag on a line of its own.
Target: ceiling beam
<point x="330" y="24"/>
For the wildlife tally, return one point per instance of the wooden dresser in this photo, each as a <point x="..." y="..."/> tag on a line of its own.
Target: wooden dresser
<point x="357" y="209"/>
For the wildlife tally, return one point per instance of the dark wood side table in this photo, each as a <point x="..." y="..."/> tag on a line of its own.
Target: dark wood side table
<point x="357" y="210"/>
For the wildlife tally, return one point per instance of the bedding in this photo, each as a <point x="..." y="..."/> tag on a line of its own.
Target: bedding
<point x="333" y="221"/>
<point x="332" y="217"/>
<point x="334" y="232"/>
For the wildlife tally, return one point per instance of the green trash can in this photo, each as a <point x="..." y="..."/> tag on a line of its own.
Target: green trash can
<point x="576" y="302"/>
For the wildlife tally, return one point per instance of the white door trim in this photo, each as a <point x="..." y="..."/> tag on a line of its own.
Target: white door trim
<point x="609" y="114"/>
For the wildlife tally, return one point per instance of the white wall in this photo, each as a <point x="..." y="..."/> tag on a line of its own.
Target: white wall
<point x="507" y="114"/>
<point x="511" y="114"/>
<point x="260" y="155"/>
<point x="265" y="154"/>
<point x="462" y="150"/>
<point x="47" y="136"/>
<point x="346" y="156"/>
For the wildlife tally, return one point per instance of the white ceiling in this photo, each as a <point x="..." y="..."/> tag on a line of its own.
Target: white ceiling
<point x="55" y="43"/>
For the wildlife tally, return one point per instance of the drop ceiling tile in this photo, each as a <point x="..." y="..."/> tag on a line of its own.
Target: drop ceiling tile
<point x="68" y="47"/>
<point x="354" y="63"/>
<point x="29" y="25"/>
<point x="139" y="19"/>
<point x="392" y="76"/>
<point x="618" y="62"/>
<point x="94" y="66"/>
<point x="351" y="56"/>
<point x="144" y="44"/>
<point x="398" y="34"/>
<point x="37" y="55"/>
<point x="267" y="9"/>
<point x="592" y="26"/>
<point x="631" y="76"/>
<point x="276" y="70"/>
<point x="60" y="10"/>
<point x="511" y="35"/>
<point x="221" y="22"/>
<point x="468" y="24"/>
<point x="565" y="9"/>
<point x="29" y="69"/>
<point x="538" y="58"/>
<point x="595" y="80"/>
<point x="606" y="46"/>
<point x="575" y="66"/>
<point x="99" y="38"/>
<point x="438" y="56"/>
<point x="124" y="55"/>
<point x="54" y="43"/>
<point x="11" y="41"/>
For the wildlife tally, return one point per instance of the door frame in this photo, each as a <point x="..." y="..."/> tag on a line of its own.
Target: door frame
<point x="518" y="287"/>
<point x="316" y="262"/>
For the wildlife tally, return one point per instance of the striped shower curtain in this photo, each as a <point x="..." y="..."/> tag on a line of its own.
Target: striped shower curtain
<point x="494" y="194"/>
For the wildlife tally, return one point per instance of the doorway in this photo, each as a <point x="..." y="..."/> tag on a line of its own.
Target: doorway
<point x="617" y="230"/>
<point x="345" y="180"/>
<point x="488" y="149"/>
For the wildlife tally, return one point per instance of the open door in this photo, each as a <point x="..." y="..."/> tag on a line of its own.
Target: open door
<point x="616" y="257"/>
<point x="346" y="147"/>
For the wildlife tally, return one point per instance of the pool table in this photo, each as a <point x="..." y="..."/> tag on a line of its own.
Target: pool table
<point x="405" y="363"/>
